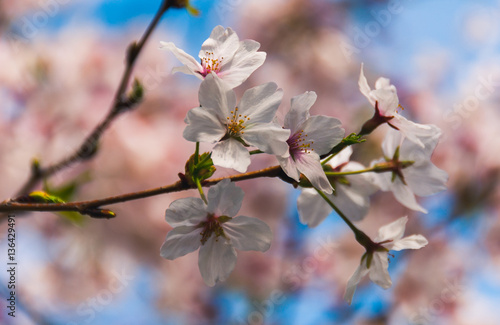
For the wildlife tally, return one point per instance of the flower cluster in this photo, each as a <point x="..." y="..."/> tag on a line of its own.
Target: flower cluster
<point x="312" y="152"/>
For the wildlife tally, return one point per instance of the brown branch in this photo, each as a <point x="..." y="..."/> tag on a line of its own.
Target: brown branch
<point x="120" y="104"/>
<point x="83" y="206"/>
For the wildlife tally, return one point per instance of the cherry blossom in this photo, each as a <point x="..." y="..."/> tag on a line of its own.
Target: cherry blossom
<point x="222" y="53"/>
<point x="234" y="127"/>
<point x="214" y="229"/>
<point x="421" y="178"/>
<point x="375" y="261"/>
<point x="386" y="102"/>
<point x="351" y="195"/>
<point x="310" y="137"/>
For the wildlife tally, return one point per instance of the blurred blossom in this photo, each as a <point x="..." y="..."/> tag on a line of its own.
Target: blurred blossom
<point x="57" y="83"/>
<point x="420" y="178"/>
<point x="351" y="196"/>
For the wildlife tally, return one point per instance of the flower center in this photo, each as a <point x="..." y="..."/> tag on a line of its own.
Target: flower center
<point x="235" y="123"/>
<point x="211" y="226"/>
<point x="210" y="63"/>
<point x="299" y="145"/>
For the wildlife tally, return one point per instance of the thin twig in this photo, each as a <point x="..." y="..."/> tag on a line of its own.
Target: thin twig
<point x="120" y="104"/>
<point x="82" y="206"/>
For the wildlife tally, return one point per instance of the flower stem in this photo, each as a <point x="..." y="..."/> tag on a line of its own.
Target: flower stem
<point x="254" y="152"/>
<point x="200" y="189"/>
<point x="360" y="236"/>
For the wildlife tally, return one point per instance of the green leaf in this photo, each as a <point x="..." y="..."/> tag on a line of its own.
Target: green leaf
<point x="43" y="197"/>
<point x="202" y="170"/>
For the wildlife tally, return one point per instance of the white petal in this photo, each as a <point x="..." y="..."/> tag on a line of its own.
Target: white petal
<point x="392" y="231"/>
<point x="261" y="103"/>
<point x="180" y="241"/>
<point x="203" y="126"/>
<point x="313" y="209"/>
<point x="248" y="233"/>
<point x="268" y="137"/>
<point x="416" y="132"/>
<point x="222" y="42"/>
<point x="224" y="199"/>
<point x="299" y="110"/>
<point x="363" y="85"/>
<point x="190" y="63"/>
<point x="387" y="99"/>
<point x="244" y="62"/>
<point x="410" y="242"/>
<point x="217" y="95"/>
<point x="310" y="166"/>
<point x="289" y="166"/>
<point x="392" y="140"/>
<point x="324" y="131"/>
<point x="350" y="201"/>
<point x="216" y="260"/>
<point x="188" y="211"/>
<point x="379" y="273"/>
<point x="425" y="179"/>
<point x="231" y="153"/>
<point x="341" y="158"/>
<point x="405" y="196"/>
<point x="360" y="272"/>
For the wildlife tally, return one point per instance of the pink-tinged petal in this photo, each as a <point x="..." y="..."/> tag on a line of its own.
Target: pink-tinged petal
<point x="260" y="103"/>
<point x="231" y="153"/>
<point x="216" y="260"/>
<point x="244" y="62"/>
<point x="379" y="273"/>
<point x="323" y="132"/>
<point x="186" y="212"/>
<point x="222" y="42"/>
<point x="269" y="137"/>
<point x="360" y="272"/>
<point x="363" y="85"/>
<point x="341" y="158"/>
<point x="248" y="234"/>
<point x="310" y="166"/>
<point x="180" y="241"/>
<point x="191" y="64"/>
<point x="289" y="166"/>
<point x="405" y="196"/>
<point x="410" y="242"/>
<point x="299" y="110"/>
<point x="313" y="209"/>
<point x="392" y="231"/>
<point x="217" y="95"/>
<point x="224" y="199"/>
<point x="425" y="179"/>
<point x="203" y="126"/>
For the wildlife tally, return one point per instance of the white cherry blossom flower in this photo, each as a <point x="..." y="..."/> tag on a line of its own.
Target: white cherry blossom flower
<point x="351" y="195"/>
<point x="222" y="53"/>
<point x="386" y="102"/>
<point x="375" y="261"/>
<point x="215" y="230"/>
<point x="421" y="178"/>
<point x="310" y="137"/>
<point x="219" y="120"/>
